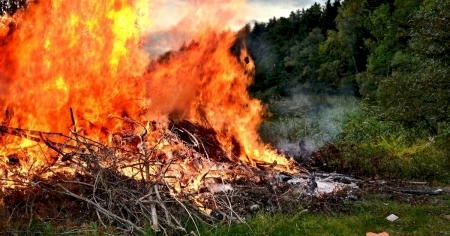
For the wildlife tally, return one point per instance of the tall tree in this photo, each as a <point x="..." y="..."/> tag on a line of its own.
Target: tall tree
<point x="389" y="29"/>
<point x="329" y="14"/>
<point x="312" y="17"/>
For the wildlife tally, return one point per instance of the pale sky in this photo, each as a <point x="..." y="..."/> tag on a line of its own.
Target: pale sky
<point x="175" y="21"/>
<point x="263" y="10"/>
<point x="170" y="12"/>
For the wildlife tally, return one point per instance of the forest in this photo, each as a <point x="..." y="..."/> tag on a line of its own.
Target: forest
<point x="392" y="57"/>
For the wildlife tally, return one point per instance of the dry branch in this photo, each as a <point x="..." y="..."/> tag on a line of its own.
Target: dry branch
<point x="101" y="209"/>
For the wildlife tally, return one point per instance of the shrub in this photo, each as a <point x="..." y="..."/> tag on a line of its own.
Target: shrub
<point x="369" y="146"/>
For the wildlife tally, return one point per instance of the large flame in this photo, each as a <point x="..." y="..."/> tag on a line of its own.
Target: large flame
<point x="88" y="56"/>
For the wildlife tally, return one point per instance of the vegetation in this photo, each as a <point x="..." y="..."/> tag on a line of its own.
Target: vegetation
<point x="391" y="54"/>
<point x="314" y="118"/>
<point x="371" y="146"/>
<point x="367" y="216"/>
<point x="355" y="219"/>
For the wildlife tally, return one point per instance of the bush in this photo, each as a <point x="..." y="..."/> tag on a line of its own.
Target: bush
<point x="369" y="146"/>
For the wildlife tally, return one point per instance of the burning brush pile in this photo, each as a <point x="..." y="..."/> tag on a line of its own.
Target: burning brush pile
<point x="90" y="123"/>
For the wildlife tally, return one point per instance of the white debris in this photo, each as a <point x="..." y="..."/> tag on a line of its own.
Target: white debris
<point x="326" y="187"/>
<point x="297" y="181"/>
<point x="254" y="207"/>
<point x="217" y="188"/>
<point x="438" y="191"/>
<point x="392" y="218"/>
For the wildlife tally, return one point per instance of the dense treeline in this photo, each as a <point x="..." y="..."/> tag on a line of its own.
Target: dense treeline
<point x="286" y="50"/>
<point x="392" y="54"/>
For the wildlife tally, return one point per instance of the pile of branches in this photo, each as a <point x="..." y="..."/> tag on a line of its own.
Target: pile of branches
<point x="134" y="184"/>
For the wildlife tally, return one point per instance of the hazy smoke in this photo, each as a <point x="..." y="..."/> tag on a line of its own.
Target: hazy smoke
<point x="309" y="121"/>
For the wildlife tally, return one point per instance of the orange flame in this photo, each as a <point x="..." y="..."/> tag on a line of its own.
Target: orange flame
<point x="88" y="55"/>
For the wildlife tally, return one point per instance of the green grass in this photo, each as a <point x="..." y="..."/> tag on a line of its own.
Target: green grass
<point x="366" y="216"/>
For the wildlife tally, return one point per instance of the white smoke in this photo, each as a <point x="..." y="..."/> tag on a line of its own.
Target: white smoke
<point x="306" y="122"/>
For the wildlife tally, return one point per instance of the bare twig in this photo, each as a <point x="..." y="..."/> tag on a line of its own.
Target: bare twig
<point x="131" y="185"/>
<point x="101" y="209"/>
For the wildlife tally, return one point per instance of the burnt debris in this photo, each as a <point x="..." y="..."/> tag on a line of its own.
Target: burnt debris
<point x="11" y="6"/>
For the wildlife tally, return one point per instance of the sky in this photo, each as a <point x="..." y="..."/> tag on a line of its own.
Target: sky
<point x="170" y="12"/>
<point x="176" y="21"/>
<point x="263" y="10"/>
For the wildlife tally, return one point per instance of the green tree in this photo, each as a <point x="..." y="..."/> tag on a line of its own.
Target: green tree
<point x="303" y="60"/>
<point x="312" y="17"/>
<point x="389" y="33"/>
<point x="344" y="53"/>
<point x="329" y="14"/>
<point x="419" y="94"/>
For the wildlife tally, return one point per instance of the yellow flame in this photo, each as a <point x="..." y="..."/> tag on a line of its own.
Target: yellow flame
<point x="61" y="84"/>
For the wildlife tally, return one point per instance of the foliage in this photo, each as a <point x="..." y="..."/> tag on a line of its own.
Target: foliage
<point x="421" y="92"/>
<point x="285" y="50"/>
<point x="393" y="54"/>
<point x="370" y="146"/>
<point x="303" y="57"/>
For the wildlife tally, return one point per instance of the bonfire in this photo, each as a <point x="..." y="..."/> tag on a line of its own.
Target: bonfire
<point x="90" y="120"/>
